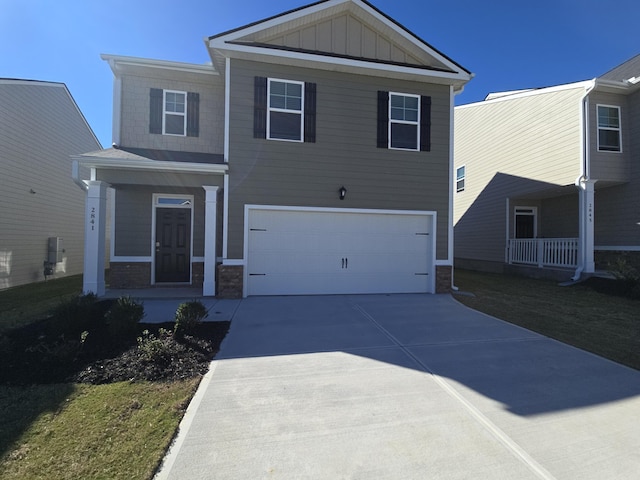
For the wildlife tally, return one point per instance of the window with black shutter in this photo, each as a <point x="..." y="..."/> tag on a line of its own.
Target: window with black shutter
<point x="404" y="121"/>
<point x="173" y="112"/>
<point x="284" y="110"/>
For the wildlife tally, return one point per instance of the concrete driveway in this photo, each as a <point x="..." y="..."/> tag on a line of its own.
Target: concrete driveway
<point x="403" y="387"/>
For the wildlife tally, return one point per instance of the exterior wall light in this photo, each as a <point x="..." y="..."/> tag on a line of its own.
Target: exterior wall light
<point x="343" y="192"/>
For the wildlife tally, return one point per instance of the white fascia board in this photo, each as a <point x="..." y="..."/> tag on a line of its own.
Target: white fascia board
<point x="345" y="64"/>
<point x="116" y="60"/>
<point x="185" y="167"/>
<point x="528" y="93"/>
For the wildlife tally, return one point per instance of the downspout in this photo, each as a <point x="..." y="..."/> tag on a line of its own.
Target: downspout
<point x="585" y="173"/>
<point x="75" y="175"/>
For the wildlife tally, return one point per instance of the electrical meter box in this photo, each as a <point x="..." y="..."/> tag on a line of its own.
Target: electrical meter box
<point x="55" y="250"/>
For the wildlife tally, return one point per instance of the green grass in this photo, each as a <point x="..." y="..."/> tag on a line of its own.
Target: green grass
<point x="606" y="325"/>
<point x="26" y="303"/>
<point x="72" y="431"/>
<point x="116" y="431"/>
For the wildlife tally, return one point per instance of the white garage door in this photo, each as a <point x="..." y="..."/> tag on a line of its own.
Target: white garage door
<point x="295" y="252"/>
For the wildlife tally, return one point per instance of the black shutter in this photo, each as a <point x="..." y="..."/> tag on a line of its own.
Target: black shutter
<point x="260" y="107"/>
<point x="193" y="114"/>
<point x="383" y="119"/>
<point x="425" y="124"/>
<point x="310" y="112"/>
<point x="155" y="110"/>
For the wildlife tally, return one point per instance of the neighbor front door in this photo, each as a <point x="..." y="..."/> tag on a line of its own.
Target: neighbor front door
<point x="173" y="245"/>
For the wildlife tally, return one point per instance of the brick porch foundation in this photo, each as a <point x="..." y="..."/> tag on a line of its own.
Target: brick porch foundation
<point x="443" y="278"/>
<point x="130" y="275"/>
<point x="230" y="278"/>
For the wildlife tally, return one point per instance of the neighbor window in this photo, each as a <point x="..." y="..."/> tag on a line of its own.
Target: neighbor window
<point x="460" y="174"/>
<point x="404" y="121"/>
<point x="609" y="129"/>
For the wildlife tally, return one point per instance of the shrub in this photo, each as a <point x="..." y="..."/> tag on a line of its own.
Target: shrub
<point x="123" y="317"/>
<point x="188" y="316"/>
<point x="627" y="277"/>
<point x="158" y="350"/>
<point x="75" y="315"/>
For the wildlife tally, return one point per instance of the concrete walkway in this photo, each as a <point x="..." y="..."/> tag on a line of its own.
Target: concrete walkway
<point x="402" y="387"/>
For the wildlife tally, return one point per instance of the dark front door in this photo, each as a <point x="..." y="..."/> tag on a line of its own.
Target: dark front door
<point x="525" y="226"/>
<point x="173" y="244"/>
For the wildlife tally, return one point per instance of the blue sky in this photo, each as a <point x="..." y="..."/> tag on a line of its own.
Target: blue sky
<point x="509" y="45"/>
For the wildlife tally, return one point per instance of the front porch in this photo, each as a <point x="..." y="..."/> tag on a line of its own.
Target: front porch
<point x="544" y="252"/>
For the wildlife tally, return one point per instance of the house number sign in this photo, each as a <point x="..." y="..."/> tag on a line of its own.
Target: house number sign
<point x="92" y="218"/>
<point x="591" y="213"/>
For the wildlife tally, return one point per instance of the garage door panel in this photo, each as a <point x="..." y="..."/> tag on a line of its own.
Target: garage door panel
<point x="316" y="252"/>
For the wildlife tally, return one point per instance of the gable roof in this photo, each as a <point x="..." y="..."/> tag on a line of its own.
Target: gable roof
<point x="626" y="71"/>
<point x="343" y="35"/>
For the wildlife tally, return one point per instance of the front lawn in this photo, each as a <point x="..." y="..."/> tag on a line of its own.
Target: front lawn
<point x="89" y="391"/>
<point x="605" y="324"/>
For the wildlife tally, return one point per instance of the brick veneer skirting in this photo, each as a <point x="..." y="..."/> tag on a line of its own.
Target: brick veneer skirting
<point x="443" y="278"/>
<point x="197" y="274"/>
<point x="230" y="278"/>
<point x="130" y="275"/>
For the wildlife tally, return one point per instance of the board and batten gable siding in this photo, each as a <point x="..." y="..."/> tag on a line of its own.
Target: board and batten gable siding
<point x="135" y="106"/>
<point x="40" y="127"/>
<point x="511" y="147"/>
<point x="609" y="166"/>
<point x="617" y="210"/>
<point x="269" y="172"/>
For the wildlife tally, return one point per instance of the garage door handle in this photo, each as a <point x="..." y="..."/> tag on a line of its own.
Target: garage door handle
<point x="345" y="263"/>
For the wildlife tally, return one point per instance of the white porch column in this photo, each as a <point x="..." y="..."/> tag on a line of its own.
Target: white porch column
<point x="210" y="223"/>
<point x="587" y="188"/>
<point x="94" y="237"/>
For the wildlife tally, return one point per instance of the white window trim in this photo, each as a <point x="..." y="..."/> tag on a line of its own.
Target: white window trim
<point x="405" y="122"/>
<point x="165" y="113"/>
<point x="284" y="110"/>
<point x="464" y="178"/>
<point x="619" y="129"/>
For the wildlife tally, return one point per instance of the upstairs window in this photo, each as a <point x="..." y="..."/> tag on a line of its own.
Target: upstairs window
<point x="404" y="121"/>
<point x="285" y="119"/>
<point x="172" y="112"/>
<point x="460" y="174"/>
<point x="284" y="110"/>
<point x="609" y="129"/>
<point x="175" y="113"/>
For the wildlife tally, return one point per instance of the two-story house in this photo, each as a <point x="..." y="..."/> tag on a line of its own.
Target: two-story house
<point x="41" y="126"/>
<point x="548" y="180"/>
<point x="312" y="156"/>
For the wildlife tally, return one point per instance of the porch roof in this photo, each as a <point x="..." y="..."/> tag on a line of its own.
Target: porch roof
<point x="153" y="159"/>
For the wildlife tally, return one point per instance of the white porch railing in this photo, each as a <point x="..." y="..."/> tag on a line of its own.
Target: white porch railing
<point x="544" y="252"/>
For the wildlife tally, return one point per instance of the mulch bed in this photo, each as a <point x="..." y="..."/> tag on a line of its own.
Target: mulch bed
<point x="38" y="353"/>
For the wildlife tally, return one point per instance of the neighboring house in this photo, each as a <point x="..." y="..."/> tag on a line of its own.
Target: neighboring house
<point x="312" y="156"/>
<point x="40" y="128"/>
<point x="548" y="180"/>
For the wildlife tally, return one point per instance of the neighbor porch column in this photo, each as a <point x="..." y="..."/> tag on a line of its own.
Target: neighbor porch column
<point x="587" y="188"/>
<point x="210" y="224"/>
<point x="94" y="237"/>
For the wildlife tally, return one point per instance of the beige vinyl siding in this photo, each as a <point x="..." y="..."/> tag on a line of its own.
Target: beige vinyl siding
<point x="609" y="166"/>
<point x="40" y="127"/>
<point x="134" y="126"/>
<point x="511" y="147"/>
<point x="617" y="211"/>
<point x="310" y="174"/>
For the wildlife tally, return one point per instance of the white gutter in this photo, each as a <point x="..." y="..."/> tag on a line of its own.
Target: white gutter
<point x="585" y="171"/>
<point x="75" y="175"/>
